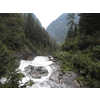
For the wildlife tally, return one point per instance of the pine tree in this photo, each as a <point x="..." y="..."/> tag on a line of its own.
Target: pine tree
<point x="71" y="16"/>
<point x="75" y="30"/>
<point x="70" y="32"/>
<point x="89" y="23"/>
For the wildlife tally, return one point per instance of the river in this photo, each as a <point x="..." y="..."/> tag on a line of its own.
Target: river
<point x="44" y="72"/>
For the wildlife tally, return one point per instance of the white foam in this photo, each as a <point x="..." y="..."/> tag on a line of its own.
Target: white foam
<point x="37" y="62"/>
<point x="3" y="79"/>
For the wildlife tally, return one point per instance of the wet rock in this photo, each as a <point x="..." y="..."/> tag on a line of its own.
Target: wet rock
<point x="36" y="72"/>
<point x="54" y="60"/>
<point x="41" y="70"/>
<point x="55" y="67"/>
<point x="49" y="57"/>
<point x="38" y="69"/>
<point x="60" y="76"/>
<point x="64" y="86"/>
<point x="69" y="76"/>
<point x="36" y="76"/>
<point x="55" y="77"/>
<point x="68" y="80"/>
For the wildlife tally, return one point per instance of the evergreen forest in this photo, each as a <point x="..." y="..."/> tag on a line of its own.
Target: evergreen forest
<point x="80" y="51"/>
<point x="20" y="32"/>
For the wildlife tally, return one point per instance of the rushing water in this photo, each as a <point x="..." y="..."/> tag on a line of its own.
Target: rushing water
<point x="44" y="73"/>
<point x="37" y="62"/>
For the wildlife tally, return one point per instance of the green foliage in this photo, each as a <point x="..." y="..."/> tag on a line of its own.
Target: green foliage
<point x="89" y="23"/>
<point x="71" y="16"/>
<point x="80" y="78"/>
<point x="71" y="32"/>
<point x="84" y="41"/>
<point x="81" y="52"/>
<point x="30" y="83"/>
<point x="67" y="45"/>
<point x="11" y="32"/>
<point x="37" y="35"/>
<point x="4" y="61"/>
<point x="65" y="58"/>
<point x="7" y="68"/>
<point x="96" y="49"/>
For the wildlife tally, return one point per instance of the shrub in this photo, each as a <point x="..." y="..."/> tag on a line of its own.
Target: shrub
<point x="65" y="59"/>
<point x="96" y="49"/>
<point x="84" y="41"/>
<point x="68" y="45"/>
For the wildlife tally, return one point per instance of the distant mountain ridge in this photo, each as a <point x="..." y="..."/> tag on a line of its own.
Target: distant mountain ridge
<point x="37" y="19"/>
<point x="58" y="28"/>
<point x="34" y="18"/>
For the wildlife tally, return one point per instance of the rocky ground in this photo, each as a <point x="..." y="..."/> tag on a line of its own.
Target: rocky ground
<point x="67" y="79"/>
<point x="57" y="79"/>
<point x="61" y="80"/>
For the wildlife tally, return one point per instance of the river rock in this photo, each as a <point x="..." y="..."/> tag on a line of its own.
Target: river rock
<point x="60" y="76"/>
<point x="76" y="83"/>
<point x="49" y="57"/>
<point x="70" y="76"/>
<point x="54" y="60"/>
<point x="36" y="72"/>
<point x="55" y="77"/>
<point x="41" y="70"/>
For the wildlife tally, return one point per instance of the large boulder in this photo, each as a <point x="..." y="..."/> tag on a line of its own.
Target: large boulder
<point x="36" y="72"/>
<point x="55" y="77"/>
<point x="70" y="76"/>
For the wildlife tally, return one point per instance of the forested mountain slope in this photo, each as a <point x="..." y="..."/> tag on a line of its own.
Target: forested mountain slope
<point x="58" y="28"/>
<point x="20" y="35"/>
<point x="80" y="51"/>
<point x="35" y="18"/>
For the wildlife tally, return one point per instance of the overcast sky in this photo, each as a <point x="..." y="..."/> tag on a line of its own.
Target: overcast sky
<point x="46" y="19"/>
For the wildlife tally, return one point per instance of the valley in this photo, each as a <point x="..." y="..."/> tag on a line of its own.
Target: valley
<point x="65" y="55"/>
<point x="45" y="72"/>
<point x="58" y="28"/>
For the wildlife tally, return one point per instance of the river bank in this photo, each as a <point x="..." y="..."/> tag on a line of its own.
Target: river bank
<point x="45" y="72"/>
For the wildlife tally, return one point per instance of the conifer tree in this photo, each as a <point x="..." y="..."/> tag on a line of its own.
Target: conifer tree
<point x="71" y="16"/>
<point x="75" y="30"/>
<point x="89" y="23"/>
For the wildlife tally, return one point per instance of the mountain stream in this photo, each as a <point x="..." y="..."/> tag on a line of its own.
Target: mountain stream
<point x="45" y="72"/>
